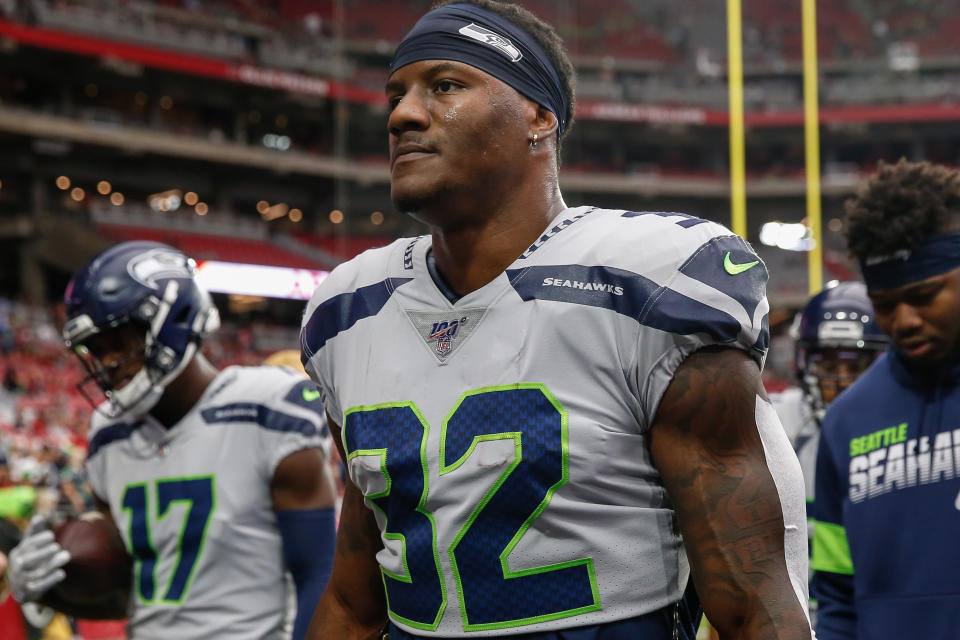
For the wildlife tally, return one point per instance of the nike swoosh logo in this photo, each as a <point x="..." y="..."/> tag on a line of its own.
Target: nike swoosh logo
<point x="737" y="269"/>
<point x="310" y="395"/>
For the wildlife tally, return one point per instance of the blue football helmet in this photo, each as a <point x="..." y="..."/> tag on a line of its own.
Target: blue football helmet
<point x="151" y="286"/>
<point x="837" y="338"/>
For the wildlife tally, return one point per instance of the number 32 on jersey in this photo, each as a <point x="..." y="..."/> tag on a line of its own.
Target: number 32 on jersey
<point x="491" y="596"/>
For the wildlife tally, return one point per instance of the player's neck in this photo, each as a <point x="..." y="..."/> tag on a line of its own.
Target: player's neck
<point x="184" y="391"/>
<point x="470" y="256"/>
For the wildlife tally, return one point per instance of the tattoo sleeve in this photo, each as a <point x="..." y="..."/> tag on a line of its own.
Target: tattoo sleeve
<point x="707" y="447"/>
<point x="353" y="606"/>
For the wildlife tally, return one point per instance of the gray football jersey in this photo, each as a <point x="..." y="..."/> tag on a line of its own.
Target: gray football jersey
<point x="501" y="441"/>
<point x="193" y="505"/>
<point x="802" y="429"/>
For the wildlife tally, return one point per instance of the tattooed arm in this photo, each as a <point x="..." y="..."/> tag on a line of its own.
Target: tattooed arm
<point x="353" y="606"/>
<point x="706" y="443"/>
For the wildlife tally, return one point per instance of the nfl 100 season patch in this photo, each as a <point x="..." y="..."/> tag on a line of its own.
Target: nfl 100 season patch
<point x="445" y="331"/>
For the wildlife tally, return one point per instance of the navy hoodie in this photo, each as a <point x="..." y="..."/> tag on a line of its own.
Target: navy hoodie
<point x="886" y="542"/>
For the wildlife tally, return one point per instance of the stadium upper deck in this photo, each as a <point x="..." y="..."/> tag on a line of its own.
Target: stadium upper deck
<point x="240" y="101"/>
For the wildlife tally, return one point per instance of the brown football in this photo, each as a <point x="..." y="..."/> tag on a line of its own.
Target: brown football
<point x="100" y="567"/>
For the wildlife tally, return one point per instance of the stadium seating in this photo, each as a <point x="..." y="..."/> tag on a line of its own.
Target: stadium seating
<point x="203" y="246"/>
<point x="343" y="246"/>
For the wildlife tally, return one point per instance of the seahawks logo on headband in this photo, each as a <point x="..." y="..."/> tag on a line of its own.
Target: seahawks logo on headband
<point x="495" y="40"/>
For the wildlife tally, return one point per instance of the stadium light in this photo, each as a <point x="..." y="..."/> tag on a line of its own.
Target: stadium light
<point x="165" y="200"/>
<point x="258" y="280"/>
<point x="278" y="210"/>
<point x="104" y="187"/>
<point x="276" y="141"/>
<point x="790" y="237"/>
<point x="190" y="198"/>
<point x="336" y="216"/>
<point x="63" y="183"/>
<point x="78" y="194"/>
<point x="262" y="207"/>
<point x="202" y="209"/>
<point x="116" y="198"/>
<point x="376" y="217"/>
<point x="296" y="215"/>
<point x="903" y="56"/>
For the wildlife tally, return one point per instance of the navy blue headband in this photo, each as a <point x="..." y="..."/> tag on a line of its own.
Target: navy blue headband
<point x="936" y="256"/>
<point x="485" y="40"/>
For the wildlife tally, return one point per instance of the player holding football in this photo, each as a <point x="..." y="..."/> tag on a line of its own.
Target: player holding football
<point x="216" y="480"/>
<point x="536" y="401"/>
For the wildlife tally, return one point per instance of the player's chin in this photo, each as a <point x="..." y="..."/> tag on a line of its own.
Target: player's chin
<point x="410" y="195"/>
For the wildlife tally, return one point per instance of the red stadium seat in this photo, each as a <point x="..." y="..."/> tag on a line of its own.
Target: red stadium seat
<point x="202" y="246"/>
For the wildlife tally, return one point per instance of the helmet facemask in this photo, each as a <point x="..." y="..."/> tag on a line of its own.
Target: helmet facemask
<point x="134" y="395"/>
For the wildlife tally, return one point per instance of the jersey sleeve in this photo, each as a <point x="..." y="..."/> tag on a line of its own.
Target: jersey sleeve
<point x="711" y="292"/>
<point x="316" y="317"/>
<point x="831" y="562"/>
<point x="355" y="290"/>
<point x="294" y="421"/>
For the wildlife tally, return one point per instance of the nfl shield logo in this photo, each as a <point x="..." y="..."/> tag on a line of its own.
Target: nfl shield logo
<point x="444" y="343"/>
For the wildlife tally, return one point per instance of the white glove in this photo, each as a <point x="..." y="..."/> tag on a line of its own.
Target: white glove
<point x="35" y="565"/>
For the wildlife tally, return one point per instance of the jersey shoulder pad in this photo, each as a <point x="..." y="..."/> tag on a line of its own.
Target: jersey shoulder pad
<point x="369" y="267"/>
<point x="670" y="239"/>
<point x="250" y="383"/>
<point x="104" y="430"/>
<point x="678" y="251"/>
<point x="296" y="393"/>
<point x="669" y="271"/>
<point x="354" y="290"/>
<point x="276" y="398"/>
<point x="710" y="279"/>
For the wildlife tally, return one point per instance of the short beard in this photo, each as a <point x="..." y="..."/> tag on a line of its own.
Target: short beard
<point x="409" y="206"/>
<point x="424" y="208"/>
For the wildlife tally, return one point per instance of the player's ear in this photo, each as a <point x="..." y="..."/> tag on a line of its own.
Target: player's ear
<point x="543" y="124"/>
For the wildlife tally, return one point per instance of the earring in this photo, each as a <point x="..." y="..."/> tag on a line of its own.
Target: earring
<point x="533" y="142"/>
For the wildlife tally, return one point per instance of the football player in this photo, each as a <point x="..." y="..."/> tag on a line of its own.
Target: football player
<point x="216" y="480"/>
<point x="887" y="511"/>
<point x="552" y="417"/>
<point x="837" y="338"/>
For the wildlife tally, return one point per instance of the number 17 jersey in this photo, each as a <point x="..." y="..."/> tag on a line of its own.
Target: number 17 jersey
<point x="501" y="440"/>
<point x="194" y="507"/>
